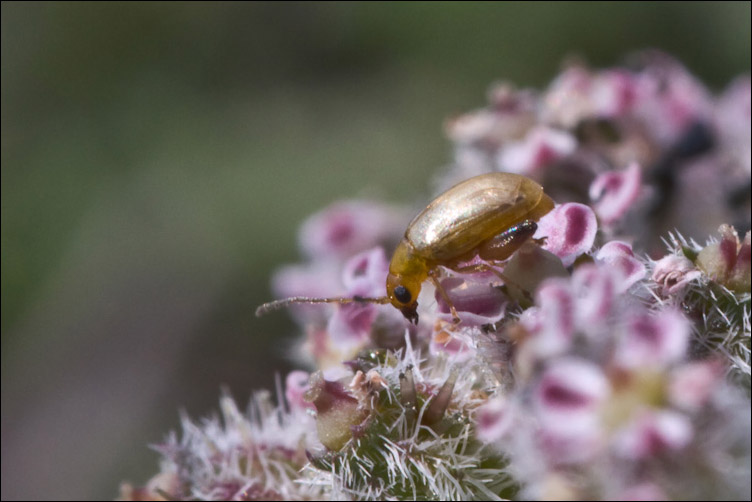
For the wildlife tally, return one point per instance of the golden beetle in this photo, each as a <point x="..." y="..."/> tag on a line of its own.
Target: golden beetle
<point x="489" y="216"/>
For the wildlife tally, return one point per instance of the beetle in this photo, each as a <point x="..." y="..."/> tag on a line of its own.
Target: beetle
<point x="487" y="216"/>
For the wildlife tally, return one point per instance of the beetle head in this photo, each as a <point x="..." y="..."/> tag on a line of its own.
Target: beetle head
<point x="403" y="295"/>
<point x="407" y="271"/>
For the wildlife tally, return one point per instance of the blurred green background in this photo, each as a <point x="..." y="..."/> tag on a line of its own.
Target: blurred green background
<point x="158" y="158"/>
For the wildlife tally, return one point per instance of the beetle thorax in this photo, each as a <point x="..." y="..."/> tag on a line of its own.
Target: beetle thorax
<point x="405" y="263"/>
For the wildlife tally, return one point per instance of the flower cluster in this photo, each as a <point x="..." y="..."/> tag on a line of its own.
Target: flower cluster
<point x="608" y="405"/>
<point x="646" y="144"/>
<point x="584" y="366"/>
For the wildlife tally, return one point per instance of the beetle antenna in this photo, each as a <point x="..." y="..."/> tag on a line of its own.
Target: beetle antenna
<point x="278" y="304"/>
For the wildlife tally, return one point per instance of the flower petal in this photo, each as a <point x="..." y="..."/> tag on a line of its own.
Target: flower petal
<point x="541" y="146"/>
<point x="296" y="385"/>
<point x="619" y="255"/>
<point x="651" y="340"/>
<point x="694" y="383"/>
<point x="552" y="324"/>
<point x="493" y="420"/>
<point x="569" y="230"/>
<point x="570" y="386"/>
<point x="673" y="273"/>
<point x="347" y="227"/>
<point x="477" y="302"/>
<point x="567" y="401"/>
<point x="365" y="273"/>
<point x="654" y="433"/>
<point x="614" y="193"/>
<point x="595" y="289"/>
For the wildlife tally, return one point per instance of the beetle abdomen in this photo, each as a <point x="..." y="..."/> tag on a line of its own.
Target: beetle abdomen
<point x="473" y="211"/>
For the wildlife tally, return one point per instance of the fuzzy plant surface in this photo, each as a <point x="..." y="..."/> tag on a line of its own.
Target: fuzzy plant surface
<point x="608" y="358"/>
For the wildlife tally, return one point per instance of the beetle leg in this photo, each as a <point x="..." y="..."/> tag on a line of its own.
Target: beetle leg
<point x="487" y="267"/>
<point x="506" y="243"/>
<point x="455" y="317"/>
<point x="481" y="267"/>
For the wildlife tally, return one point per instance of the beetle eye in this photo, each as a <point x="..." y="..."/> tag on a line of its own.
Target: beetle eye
<point x="402" y="294"/>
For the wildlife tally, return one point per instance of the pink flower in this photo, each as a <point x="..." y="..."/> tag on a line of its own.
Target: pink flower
<point x="567" y="100"/>
<point x="595" y="290"/>
<point x="509" y="114"/>
<point x="673" y="273"/>
<point x="493" y="420"/>
<point x="613" y="93"/>
<point x="579" y="94"/>
<point x="350" y="326"/>
<point x="693" y="384"/>
<point x="570" y="387"/>
<point x="478" y="303"/>
<point x="619" y="255"/>
<point x="670" y="99"/>
<point x="653" y="340"/>
<point x="365" y="273"/>
<point x="653" y="433"/>
<point x="615" y="192"/>
<point x="728" y="261"/>
<point x="552" y="322"/>
<point x="345" y="228"/>
<point x="296" y="385"/>
<point x="541" y="147"/>
<point x="643" y="491"/>
<point x="364" y="276"/>
<point x="471" y="127"/>
<point x="569" y="230"/>
<point x="567" y="402"/>
<point x="319" y="279"/>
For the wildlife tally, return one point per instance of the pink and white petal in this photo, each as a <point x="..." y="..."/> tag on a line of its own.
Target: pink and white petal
<point x="670" y="98"/>
<point x="350" y="326"/>
<point x="570" y="386"/>
<point x="567" y="401"/>
<point x="654" y="340"/>
<point x="614" y="193"/>
<point x="493" y="420"/>
<point x="348" y="227"/>
<point x="319" y="279"/>
<point x="595" y="292"/>
<point x="643" y="491"/>
<point x="692" y="384"/>
<point x="568" y="99"/>
<point x="574" y="446"/>
<point x="365" y="273"/>
<point x="296" y="385"/>
<point x="654" y="433"/>
<point x="552" y="325"/>
<point x="613" y="93"/>
<point x="471" y="127"/>
<point x="569" y="230"/>
<point x="478" y="303"/>
<point x="619" y="255"/>
<point x="673" y="273"/>
<point x="541" y="146"/>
